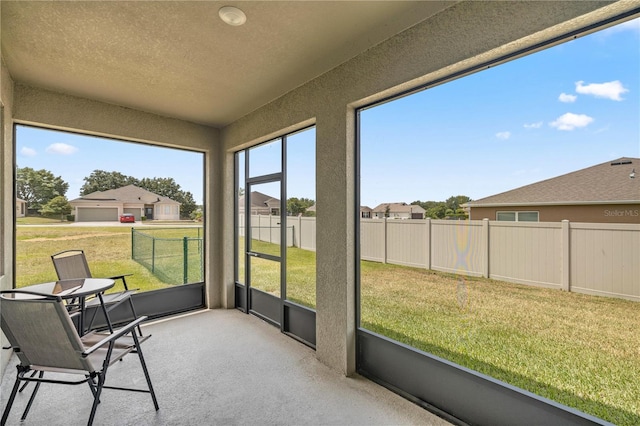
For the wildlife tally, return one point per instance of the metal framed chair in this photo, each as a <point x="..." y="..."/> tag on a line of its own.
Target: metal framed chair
<point x="70" y="264"/>
<point x="44" y="338"/>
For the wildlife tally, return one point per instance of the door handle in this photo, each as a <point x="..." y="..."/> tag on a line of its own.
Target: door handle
<point x="250" y="253"/>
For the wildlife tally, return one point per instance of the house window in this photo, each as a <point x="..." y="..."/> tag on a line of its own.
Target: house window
<point x="366" y="215"/>
<point x="517" y="216"/>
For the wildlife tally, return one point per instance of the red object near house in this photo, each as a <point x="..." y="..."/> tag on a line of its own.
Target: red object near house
<point x="127" y="217"/>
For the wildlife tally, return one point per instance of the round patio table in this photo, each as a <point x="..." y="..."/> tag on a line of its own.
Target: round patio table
<point x="77" y="288"/>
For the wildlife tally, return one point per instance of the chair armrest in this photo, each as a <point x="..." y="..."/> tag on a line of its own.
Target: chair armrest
<point x="116" y="335"/>
<point x="34" y="293"/>
<point x="121" y="277"/>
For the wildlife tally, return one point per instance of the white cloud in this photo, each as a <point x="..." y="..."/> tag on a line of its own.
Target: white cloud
<point x="633" y="25"/>
<point x="567" y="98"/>
<point x="570" y="121"/>
<point x="503" y="135"/>
<point x="61" y="148"/>
<point x="28" y="152"/>
<point x="536" y="125"/>
<point x="610" y="90"/>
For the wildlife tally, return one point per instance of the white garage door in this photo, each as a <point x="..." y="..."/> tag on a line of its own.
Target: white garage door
<point x="94" y="214"/>
<point x="134" y="212"/>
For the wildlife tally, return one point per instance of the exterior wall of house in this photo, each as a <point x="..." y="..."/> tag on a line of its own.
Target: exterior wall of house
<point x="21" y="208"/>
<point x="166" y="212"/>
<point x="601" y="213"/>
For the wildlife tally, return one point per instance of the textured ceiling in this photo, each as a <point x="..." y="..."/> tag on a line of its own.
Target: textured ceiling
<point x="178" y="59"/>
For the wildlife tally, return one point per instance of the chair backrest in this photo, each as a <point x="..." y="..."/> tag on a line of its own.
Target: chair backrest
<point x="71" y="264"/>
<point x="41" y="332"/>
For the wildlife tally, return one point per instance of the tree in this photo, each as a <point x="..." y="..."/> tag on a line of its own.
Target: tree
<point x="454" y="202"/>
<point x="461" y="214"/>
<point x="57" y="206"/>
<point x="196" y="215"/>
<point x="296" y="206"/>
<point x="167" y="187"/>
<point x="99" y="180"/>
<point x="441" y="209"/>
<point x="38" y="187"/>
<point x="438" y="211"/>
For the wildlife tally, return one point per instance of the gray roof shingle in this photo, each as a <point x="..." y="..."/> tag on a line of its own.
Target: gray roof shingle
<point x="606" y="182"/>
<point x="126" y="194"/>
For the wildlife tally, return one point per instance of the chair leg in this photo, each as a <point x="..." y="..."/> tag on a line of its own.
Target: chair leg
<point x="92" y="385"/>
<point x="14" y="391"/>
<point x="144" y="369"/>
<point x="24" y="385"/>
<point x="33" y="396"/>
<point x="105" y="312"/>
<point x="93" y="317"/>
<point x="96" y="398"/>
<point x="135" y="315"/>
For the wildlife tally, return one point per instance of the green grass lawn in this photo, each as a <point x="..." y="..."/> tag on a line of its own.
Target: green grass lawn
<point x="582" y="351"/>
<point x="108" y="251"/>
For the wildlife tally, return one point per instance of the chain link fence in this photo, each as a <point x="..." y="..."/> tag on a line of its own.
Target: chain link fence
<point x="174" y="255"/>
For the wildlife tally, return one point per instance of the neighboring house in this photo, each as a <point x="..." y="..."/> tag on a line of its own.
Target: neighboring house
<point x="260" y="204"/>
<point x="21" y="207"/>
<point x="105" y="206"/>
<point x="365" y="212"/>
<point x="398" y="211"/>
<point x="605" y="193"/>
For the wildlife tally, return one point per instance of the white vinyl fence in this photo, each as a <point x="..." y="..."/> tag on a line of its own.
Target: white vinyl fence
<point x="591" y="258"/>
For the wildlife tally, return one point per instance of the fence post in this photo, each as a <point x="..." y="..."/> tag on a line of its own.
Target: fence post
<point x="185" y="261"/>
<point x="133" y="243"/>
<point x="428" y="248"/>
<point x="485" y="241"/>
<point x="299" y="233"/>
<point x="153" y="254"/>
<point x="566" y="257"/>
<point x="384" y="257"/>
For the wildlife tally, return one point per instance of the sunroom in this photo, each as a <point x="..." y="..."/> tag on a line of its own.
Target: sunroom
<point x="271" y="102"/>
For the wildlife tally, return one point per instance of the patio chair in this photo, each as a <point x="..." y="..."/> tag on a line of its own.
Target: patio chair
<point x="44" y="339"/>
<point x="70" y="264"/>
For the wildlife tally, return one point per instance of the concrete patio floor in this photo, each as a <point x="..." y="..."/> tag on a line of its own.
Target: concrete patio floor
<point x="222" y="367"/>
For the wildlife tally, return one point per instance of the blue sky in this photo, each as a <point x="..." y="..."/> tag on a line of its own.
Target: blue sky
<point x="550" y="113"/>
<point x="565" y="108"/>
<point x="74" y="157"/>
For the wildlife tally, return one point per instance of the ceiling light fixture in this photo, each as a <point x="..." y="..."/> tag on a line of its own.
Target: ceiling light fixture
<point x="232" y="16"/>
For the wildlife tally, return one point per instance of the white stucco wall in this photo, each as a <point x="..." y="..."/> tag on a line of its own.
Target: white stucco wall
<point x="7" y="196"/>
